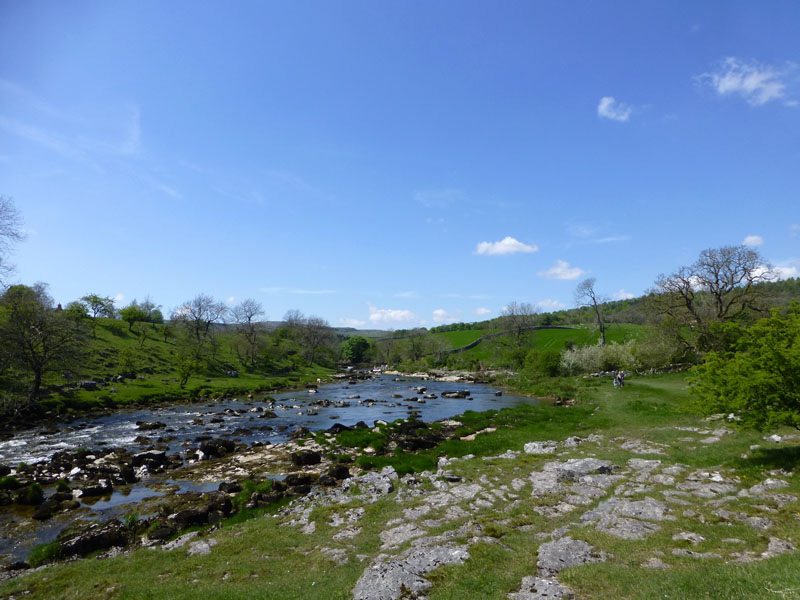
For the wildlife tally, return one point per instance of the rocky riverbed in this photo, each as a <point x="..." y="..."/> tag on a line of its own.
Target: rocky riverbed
<point x="178" y="455"/>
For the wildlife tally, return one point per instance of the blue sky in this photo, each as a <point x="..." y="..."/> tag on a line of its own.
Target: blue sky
<point x="393" y="164"/>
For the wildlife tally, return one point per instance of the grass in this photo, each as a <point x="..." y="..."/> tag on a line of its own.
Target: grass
<point x="257" y="557"/>
<point x="116" y="350"/>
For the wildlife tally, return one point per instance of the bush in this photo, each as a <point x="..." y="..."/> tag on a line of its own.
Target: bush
<point x="46" y="553"/>
<point x="31" y="495"/>
<point x="760" y="381"/>
<point x="593" y="359"/>
<point x="9" y="482"/>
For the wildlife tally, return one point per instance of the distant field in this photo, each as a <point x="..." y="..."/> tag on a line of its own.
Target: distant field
<point x="462" y="338"/>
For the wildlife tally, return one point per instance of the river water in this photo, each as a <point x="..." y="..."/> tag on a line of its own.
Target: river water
<point x="238" y="419"/>
<point x="242" y="419"/>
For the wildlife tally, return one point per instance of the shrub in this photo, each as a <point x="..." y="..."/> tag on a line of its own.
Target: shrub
<point x="591" y="359"/>
<point x="30" y="495"/>
<point x="45" y="553"/>
<point x="9" y="482"/>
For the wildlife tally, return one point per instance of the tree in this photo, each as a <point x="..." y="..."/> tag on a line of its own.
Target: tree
<point x="37" y="338"/>
<point x="354" y="349"/>
<point x="198" y="315"/>
<point x="10" y="232"/>
<point x="245" y="315"/>
<point x="133" y="313"/>
<point x="585" y="295"/>
<point x="517" y="318"/>
<point x="315" y="334"/>
<point x="759" y="380"/>
<point x="98" y="306"/>
<point x="76" y="311"/>
<point x="720" y="287"/>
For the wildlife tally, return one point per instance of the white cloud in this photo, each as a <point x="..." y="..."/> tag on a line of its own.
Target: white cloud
<point x="550" y="304"/>
<point x="787" y="269"/>
<point x="786" y="272"/>
<point x="384" y="316"/>
<point x="753" y="240"/>
<point x="482" y="311"/>
<point x="611" y="109"/>
<point x="442" y="316"/>
<point x="795" y="229"/>
<point x="622" y="295"/>
<point x="300" y="291"/>
<point x="753" y="81"/>
<point x="119" y="298"/>
<point x="408" y="294"/>
<point x="348" y="322"/>
<point x="562" y="270"/>
<point x="231" y="299"/>
<point x="439" y="198"/>
<point x="507" y="245"/>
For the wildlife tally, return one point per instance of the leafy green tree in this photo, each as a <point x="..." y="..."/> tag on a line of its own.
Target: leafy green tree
<point x="98" y="306"/>
<point x="759" y="380"/>
<point x="132" y="314"/>
<point x="354" y="349"/>
<point x="76" y="311"/>
<point x="36" y="338"/>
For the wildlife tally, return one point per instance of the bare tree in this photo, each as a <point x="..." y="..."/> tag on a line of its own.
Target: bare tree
<point x="245" y="315"/>
<point x="519" y="317"/>
<point x="294" y="319"/>
<point x="586" y="295"/>
<point x="197" y="316"/>
<point x="316" y="334"/>
<point x="720" y="286"/>
<point x="10" y="232"/>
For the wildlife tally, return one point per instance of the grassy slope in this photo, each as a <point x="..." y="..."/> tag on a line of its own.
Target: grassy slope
<point x="262" y="559"/>
<point x="547" y="339"/>
<point x="157" y="381"/>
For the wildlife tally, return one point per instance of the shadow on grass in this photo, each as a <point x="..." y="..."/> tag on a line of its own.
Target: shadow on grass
<point x="787" y="458"/>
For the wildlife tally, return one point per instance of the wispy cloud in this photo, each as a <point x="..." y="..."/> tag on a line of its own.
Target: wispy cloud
<point x="348" y="322"/>
<point x="610" y="239"/>
<point x="482" y="311"/>
<point x="298" y="291"/>
<point x="409" y="294"/>
<point x="46" y="139"/>
<point x="507" y="245"/>
<point x="561" y="270"/>
<point x="621" y="294"/>
<point x="585" y="234"/>
<point x="440" y="315"/>
<point x="550" y="304"/>
<point x="390" y="316"/>
<point x="794" y="229"/>
<point x="755" y="82"/>
<point x="442" y="198"/>
<point x="753" y="240"/>
<point x="609" y="108"/>
<point x="467" y="296"/>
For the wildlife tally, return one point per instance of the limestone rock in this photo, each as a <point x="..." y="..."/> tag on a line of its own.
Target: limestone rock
<point x="536" y="588"/>
<point x="565" y="552"/>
